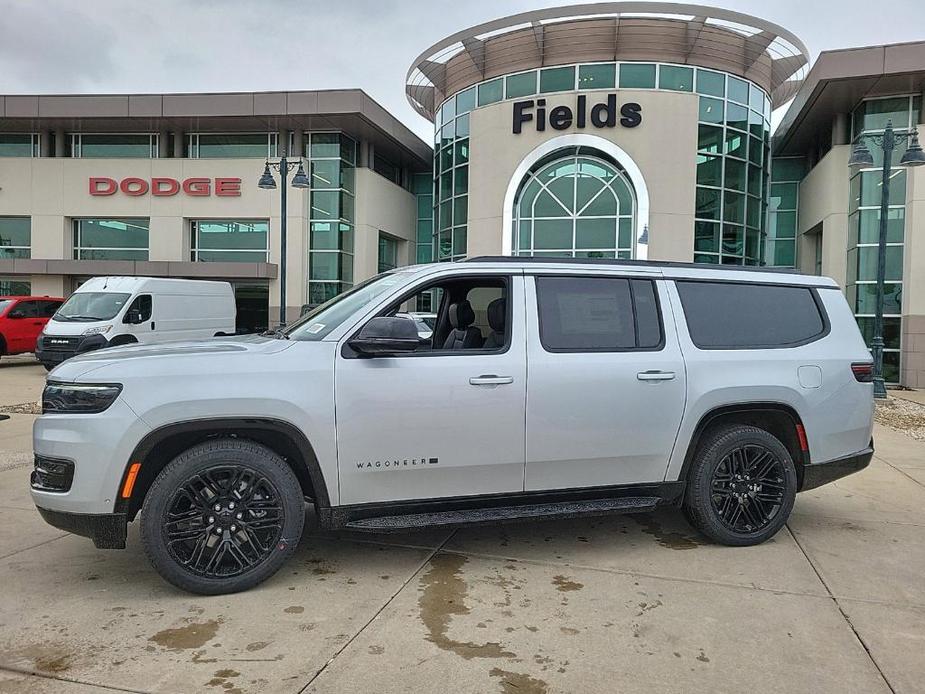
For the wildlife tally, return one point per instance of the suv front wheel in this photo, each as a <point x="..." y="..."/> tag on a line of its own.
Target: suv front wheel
<point x="222" y="517"/>
<point x="742" y="486"/>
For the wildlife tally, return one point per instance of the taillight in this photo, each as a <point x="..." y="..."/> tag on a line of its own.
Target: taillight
<point x="863" y="372"/>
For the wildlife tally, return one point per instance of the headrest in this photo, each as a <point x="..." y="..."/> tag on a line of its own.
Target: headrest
<point x="496" y="314"/>
<point x="461" y="315"/>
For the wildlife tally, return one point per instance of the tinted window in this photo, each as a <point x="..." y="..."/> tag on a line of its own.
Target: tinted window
<point x="48" y="308"/>
<point x="738" y="315"/>
<point x="595" y="314"/>
<point x="142" y="304"/>
<point x="28" y="309"/>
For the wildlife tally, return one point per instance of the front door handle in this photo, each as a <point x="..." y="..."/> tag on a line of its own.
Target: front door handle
<point x="655" y="375"/>
<point x="490" y="380"/>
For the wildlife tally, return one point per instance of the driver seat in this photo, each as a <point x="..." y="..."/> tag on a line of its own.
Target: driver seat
<point x="463" y="335"/>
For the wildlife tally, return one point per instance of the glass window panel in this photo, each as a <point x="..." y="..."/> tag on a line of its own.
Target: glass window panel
<point x="459" y="241"/>
<point x="425" y="253"/>
<point x="461" y="182"/>
<point x="711" y="83"/>
<point x="637" y="76"/>
<point x="324" y="145"/>
<point x="448" y="132"/>
<point x="755" y="151"/>
<point x="523" y="84"/>
<point x="523" y="234"/>
<point x="866" y="298"/>
<point x="679" y="79"/>
<point x="465" y="100"/>
<point x="564" y="190"/>
<point x="347" y="149"/>
<point x="733" y="240"/>
<point x="876" y="113"/>
<point x="449" y="110"/>
<point x="706" y="237"/>
<point x="625" y="231"/>
<point x="14" y="231"/>
<point x="867" y="263"/>
<point x="462" y="126"/>
<point x="324" y="266"/>
<point x="754" y="180"/>
<point x="784" y="254"/>
<point x="587" y="188"/>
<point x="324" y="236"/>
<point x="869" y="226"/>
<point x="527" y="196"/>
<point x="462" y="151"/>
<point x="326" y="173"/>
<point x="460" y="210"/>
<point x="110" y="254"/>
<point x="784" y="196"/>
<point x="596" y="233"/>
<point x="707" y="203"/>
<point x="16" y="145"/>
<point x="709" y="139"/>
<point x="753" y="207"/>
<point x="425" y="206"/>
<point x="736" y="116"/>
<point x="113" y="234"/>
<point x="709" y="170"/>
<point x="735" y="174"/>
<point x="425" y="229"/>
<point x="446" y="214"/>
<point x="446" y="158"/>
<point x="706" y="258"/>
<point x="752" y="243"/>
<point x="787" y="169"/>
<point x="547" y="205"/>
<point x="234" y="145"/>
<point x="734" y="207"/>
<point x="231" y="235"/>
<point x="603" y="76"/>
<point x="871" y="186"/>
<point x="603" y="204"/>
<point x="755" y="98"/>
<point x="738" y="90"/>
<point x="122" y="146"/>
<point x="490" y="92"/>
<point x="624" y="196"/>
<point x="892" y="328"/>
<point x="736" y="144"/>
<point x="552" y="233"/>
<point x="325" y="204"/>
<point x="711" y="110"/>
<point x="557" y="79"/>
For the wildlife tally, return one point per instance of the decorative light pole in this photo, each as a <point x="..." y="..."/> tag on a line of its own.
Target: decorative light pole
<point x="861" y="157"/>
<point x="267" y="182"/>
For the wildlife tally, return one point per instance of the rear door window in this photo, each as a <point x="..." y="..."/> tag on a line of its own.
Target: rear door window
<point x="738" y="315"/>
<point x="597" y="314"/>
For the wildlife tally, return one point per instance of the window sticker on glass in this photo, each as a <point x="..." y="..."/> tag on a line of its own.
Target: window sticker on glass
<point x="315" y="328"/>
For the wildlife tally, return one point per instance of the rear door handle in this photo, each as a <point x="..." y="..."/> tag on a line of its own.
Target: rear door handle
<point x="655" y="375"/>
<point x="490" y="380"/>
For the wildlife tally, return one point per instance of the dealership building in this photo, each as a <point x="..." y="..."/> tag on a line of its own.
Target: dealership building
<point x="614" y="130"/>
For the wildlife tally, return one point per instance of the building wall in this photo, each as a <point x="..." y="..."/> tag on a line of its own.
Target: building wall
<point x="824" y="201"/>
<point x="52" y="191"/>
<point x="663" y="146"/>
<point x="913" y="338"/>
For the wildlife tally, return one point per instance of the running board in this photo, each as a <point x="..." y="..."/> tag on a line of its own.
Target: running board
<point x="500" y="514"/>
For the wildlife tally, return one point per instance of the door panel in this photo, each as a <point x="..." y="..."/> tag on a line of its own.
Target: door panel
<point x="599" y="418"/>
<point x="429" y="425"/>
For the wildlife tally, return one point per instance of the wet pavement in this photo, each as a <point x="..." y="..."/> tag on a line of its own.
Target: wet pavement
<point x="834" y="603"/>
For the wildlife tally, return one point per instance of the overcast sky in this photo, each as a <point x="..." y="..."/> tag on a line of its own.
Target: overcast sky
<point x="117" y="46"/>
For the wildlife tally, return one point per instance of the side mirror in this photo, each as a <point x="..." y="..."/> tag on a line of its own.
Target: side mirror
<point x="133" y="316"/>
<point x="386" y="335"/>
<point x="16" y="313"/>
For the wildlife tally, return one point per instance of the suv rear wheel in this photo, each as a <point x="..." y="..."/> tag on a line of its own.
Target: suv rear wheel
<point x="222" y="517"/>
<point x="742" y="486"/>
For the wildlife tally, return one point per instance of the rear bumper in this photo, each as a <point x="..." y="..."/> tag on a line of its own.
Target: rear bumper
<point x="107" y="530"/>
<point x="52" y="350"/>
<point x="817" y="474"/>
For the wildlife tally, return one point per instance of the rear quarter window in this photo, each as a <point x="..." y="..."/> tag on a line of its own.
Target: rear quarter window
<point x="738" y="315"/>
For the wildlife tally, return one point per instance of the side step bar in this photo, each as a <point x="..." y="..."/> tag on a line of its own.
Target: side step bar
<point x="500" y="514"/>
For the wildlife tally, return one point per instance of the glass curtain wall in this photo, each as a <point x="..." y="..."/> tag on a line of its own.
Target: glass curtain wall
<point x="111" y="239"/>
<point x="332" y="161"/>
<point x="451" y="175"/>
<point x="786" y="174"/>
<point x="19" y="145"/>
<point x="422" y="187"/>
<point x="871" y="117"/>
<point x="113" y="145"/>
<point x="229" y="240"/>
<point x="15" y="287"/>
<point x="231" y="145"/>
<point x="388" y="253"/>
<point x="15" y="237"/>
<point x="575" y="204"/>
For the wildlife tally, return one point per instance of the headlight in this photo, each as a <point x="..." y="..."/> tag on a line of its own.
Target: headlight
<point x="98" y="330"/>
<point x="78" y="398"/>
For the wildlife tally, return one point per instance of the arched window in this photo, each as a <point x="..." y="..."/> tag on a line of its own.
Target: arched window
<point x="575" y="203"/>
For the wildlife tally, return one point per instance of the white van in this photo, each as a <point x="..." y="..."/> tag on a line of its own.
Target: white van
<point x="111" y="311"/>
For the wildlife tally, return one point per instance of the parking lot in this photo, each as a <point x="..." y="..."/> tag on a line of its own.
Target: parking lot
<point x="834" y="603"/>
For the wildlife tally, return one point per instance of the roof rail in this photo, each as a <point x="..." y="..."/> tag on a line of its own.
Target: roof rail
<point x="637" y="263"/>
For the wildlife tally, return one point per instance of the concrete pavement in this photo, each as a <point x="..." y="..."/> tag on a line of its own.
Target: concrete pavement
<point x="834" y="603"/>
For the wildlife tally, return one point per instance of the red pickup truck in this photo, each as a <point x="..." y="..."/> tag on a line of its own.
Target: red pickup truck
<point x="22" y="319"/>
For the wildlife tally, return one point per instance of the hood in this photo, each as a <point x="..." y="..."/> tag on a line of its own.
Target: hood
<point x="137" y="357"/>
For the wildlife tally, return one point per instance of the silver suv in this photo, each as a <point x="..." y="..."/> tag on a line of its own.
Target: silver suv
<point x="546" y="389"/>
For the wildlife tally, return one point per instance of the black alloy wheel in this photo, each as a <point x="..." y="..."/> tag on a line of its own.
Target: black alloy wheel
<point x="748" y="488"/>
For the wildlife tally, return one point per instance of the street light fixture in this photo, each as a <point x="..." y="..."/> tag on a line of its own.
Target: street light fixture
<point x="268" y="182"/>
<point x="862" y="157"/>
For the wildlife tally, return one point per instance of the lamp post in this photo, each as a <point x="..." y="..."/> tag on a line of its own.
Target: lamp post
<point x="267" y="182"/>
<point x="861" y="157"/>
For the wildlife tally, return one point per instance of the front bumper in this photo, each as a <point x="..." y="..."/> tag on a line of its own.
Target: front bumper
<point x="817" y="474"/>
<point x="107" y="530"/>
<point x="51" y="350"/>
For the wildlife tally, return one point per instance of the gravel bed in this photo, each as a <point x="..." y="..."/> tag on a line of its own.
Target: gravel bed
<point x="902" y="415"/>
<point x="24" y="408"/>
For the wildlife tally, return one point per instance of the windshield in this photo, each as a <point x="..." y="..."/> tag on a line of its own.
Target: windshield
<point x="4" y="303"/>
<point x="317" y="323"/>
<point x="91" y="306"/>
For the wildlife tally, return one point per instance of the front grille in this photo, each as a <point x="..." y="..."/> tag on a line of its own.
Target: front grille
<point x="52" y="474"/>
<point x="60" y="343"/>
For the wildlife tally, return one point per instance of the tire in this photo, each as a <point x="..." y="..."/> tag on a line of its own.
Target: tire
<point x="47" y="366"/>
<point x="726" y="500"/>
<point x="266" y="508"/>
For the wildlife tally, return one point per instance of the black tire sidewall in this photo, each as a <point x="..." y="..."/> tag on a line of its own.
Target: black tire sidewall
<point x="699" y="507"/>
<point x="201" y="457"/>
